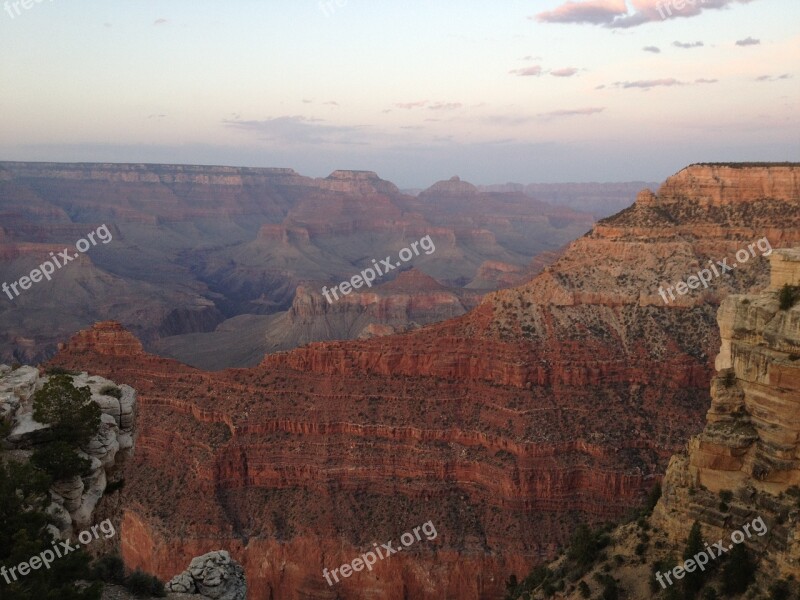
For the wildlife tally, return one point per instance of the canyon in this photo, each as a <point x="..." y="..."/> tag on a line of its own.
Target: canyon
<point x="554" y="402"/>
<point x="741" y="468"/>
<point x="224" y="257"/>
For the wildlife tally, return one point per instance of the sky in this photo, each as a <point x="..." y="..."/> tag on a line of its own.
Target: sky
<point x="418" y="90"/>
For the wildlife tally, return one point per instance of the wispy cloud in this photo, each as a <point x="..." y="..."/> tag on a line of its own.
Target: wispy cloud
<point x="572" y="112"/>
<point x="534" y="71"/>
<point x="411" y="105"/>
<point x="299" y="130"/>
<point x="566" y="72"/>
<point x="703" y="80"/>
<point x="647" y="84"/>
<point x="773" y="78"/>
<point x="445" y="106"/>
<point x="653" y="49"/>
<point x="688" y="44"/>
<point x="617" y="14"/>
<point x="160" y="22"/>
<point x="748" y="41"/>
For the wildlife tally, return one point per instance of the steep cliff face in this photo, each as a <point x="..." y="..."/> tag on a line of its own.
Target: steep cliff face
<point x="738" y="479"/>
<point x="751" y="443"/>
<point x="551" y="403"/>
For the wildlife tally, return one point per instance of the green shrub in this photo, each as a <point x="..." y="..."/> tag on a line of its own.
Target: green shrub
<point x="693" y="581"/>
<point x="142" y="584"/>
<point x="739" y="571"/>
<point x="788" y="296"/>
<point x="110" y="569"/>
<point x="114" y="486"/>
<point x="70" y="411"/>
<point x="60" y="371"/>
<point x="585" y="545"/>
<point x="730" y="379"/>
<point x="610" y="587"/>
<point x="780" y="590"/>
<point x="112" y="390"/>
<point x="60" y="461"/>
<point x="584" y="590"/>
<point x="24" y="533"/>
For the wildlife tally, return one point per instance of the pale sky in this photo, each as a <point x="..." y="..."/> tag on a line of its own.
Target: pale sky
<point x="416" y="90"/>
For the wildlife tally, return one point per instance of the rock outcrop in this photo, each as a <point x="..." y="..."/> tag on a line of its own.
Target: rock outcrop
<point x="74" y="499"/>
<point x="214" y="576"/>
<point x="750" y="446"/>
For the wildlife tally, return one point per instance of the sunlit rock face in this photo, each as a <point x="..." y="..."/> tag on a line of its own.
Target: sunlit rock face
<point x="751" y="443"/>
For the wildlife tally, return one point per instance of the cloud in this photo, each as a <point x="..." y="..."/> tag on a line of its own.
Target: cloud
<point x="653" y="49"/>
<point x="331" y="103"/>
<point x="160" y="22"/>
<point x="298" y="130"/>
<point x="445" y="106"/>
<point x="534" y="71"/>
<point x="507" y="120"/>
<point x="646" y="84"/>
<point x="596" y="12"/>
<point x="688" y="44"/>
<point x="702" y="80"/>
<point x="748" y="41"/>
<point x="410" y="105"/>
<point x="572" y="113"/>
<point x="771" y="78"/>
<point x="617" y="14"/>
<point x="566" y="72"/>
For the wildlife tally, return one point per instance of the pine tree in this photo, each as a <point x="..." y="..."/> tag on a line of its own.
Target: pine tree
<point x="693" y="582"/>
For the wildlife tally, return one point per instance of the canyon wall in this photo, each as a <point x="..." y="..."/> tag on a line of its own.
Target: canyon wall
<point x="556" y="402"/>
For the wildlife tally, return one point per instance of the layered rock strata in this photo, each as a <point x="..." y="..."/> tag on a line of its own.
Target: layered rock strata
<point x="552" y="403"/>
<point x="750" y="446"/>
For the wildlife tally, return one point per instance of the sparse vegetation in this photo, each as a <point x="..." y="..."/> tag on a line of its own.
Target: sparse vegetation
<point x="780" y="590"/>
<point x="142" y="584"/>
<point x="738" y="572"/>
<point x="24" y="533"/>
<point x="112" y="390"/>
<point x="60" y="461"/>
<point x="585" y="545"/>
<point x="788" y="296"/>
<point x="725" y="497"/>
<point x="110" y="569"/>
<point x="694" y="581"/>
<point x="70" y="412"/>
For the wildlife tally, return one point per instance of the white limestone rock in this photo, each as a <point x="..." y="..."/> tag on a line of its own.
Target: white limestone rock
<point x="214" y="575"/>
